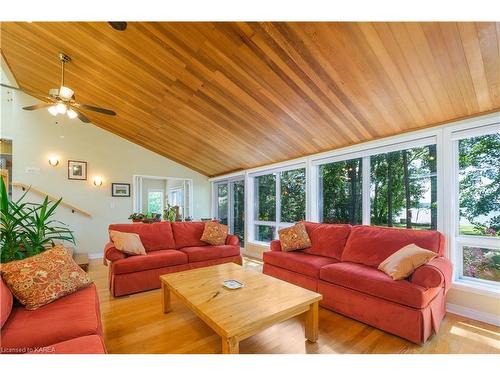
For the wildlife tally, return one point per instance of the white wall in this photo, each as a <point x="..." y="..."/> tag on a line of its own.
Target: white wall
<point x="37" y="134"/>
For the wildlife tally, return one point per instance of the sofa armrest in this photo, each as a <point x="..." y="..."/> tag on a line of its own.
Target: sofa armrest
<point x="436" y="273"/>
<point x="111" y="253"/>
<point x="275" y="245"/>
<point x="232" y="240"/>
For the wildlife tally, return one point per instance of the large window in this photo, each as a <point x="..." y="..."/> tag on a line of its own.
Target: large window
<point x="230" y="206"/>
<point x="280" y="201"/>
<point x="403" y="188"/>
<point x="340" y="192"/>
<point x="155" y="201"/>
<point x="478" y="216"/>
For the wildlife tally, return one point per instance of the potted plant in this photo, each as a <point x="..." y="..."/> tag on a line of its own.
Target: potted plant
<point x="151" y="217"/>
<point x="170" y="213"/>
<point x="136" y="217"/>
<point x="28" y="229"/>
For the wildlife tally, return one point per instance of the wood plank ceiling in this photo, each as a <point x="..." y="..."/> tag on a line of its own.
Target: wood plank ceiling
<point x="219" y="97"/>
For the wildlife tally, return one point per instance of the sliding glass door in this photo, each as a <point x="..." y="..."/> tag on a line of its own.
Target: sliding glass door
<point x="230" y="206"/>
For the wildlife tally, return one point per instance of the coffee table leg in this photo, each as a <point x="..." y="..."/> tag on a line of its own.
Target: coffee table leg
<point x="311" y="322"/>
<point x="165" y="298"/>
<point x="230" y="345"/>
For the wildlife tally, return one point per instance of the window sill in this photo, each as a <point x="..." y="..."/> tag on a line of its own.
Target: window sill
<point x="476" y="287"/>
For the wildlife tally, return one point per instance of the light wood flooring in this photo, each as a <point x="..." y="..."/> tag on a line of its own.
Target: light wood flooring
<point x="136" y="324"/>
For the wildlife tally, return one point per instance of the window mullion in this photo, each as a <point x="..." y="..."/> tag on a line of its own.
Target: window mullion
<point x="366" y="190"/>
<point x="278" y="203"/>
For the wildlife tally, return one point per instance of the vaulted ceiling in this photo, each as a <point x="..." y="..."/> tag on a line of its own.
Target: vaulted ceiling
<point x="219" y="97"/>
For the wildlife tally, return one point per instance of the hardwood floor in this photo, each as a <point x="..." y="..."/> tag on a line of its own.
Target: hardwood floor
<point x="136" y="324"/>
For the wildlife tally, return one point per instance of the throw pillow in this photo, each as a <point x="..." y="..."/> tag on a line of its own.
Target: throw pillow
<point x="294" y="238"/>
<point x="128" y="243"/>
<point x="403" y="262"/>
<point x="214" y="233"/>
<point x="43" y="278"/>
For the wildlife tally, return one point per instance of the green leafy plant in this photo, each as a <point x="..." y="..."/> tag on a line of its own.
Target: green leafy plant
<point x="28" y="229"/>
<point x="169" y="213"/>
<point x="136" y="216"/>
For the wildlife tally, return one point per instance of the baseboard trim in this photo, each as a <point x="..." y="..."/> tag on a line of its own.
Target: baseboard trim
<point x="95" y="256"/>
<point x="473" y="314"/>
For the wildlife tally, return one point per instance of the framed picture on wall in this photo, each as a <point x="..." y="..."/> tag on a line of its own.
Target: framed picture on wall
<point x="120" y="190"/>
<point x="77" y="170"/>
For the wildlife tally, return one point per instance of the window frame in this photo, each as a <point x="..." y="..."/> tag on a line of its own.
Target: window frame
<point x="457" y="241"/>
<point x="162" y="203"/>
<point x="230" y="190"/>
<point x="277" y="224"/>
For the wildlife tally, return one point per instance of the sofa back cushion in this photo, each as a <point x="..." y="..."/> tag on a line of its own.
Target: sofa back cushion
<point x="6" y="301"/>
<point x="188" y="234"/>
<point x="371" y="245"/>
<point x="327" y="240"/>
<point x="154" y="236"/>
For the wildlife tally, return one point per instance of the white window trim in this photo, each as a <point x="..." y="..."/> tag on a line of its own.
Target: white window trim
<point x="277" y="224"/>
<point x="444" y="136"/>
<point x="456" y="240"/>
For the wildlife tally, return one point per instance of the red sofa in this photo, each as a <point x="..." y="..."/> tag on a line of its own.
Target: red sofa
<point x="342" y="265"/>
<point x="170" y="247"/>
<point x="69" y="325"/>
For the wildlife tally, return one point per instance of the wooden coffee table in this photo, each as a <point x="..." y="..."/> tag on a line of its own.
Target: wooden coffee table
<point x="241" y="313"/>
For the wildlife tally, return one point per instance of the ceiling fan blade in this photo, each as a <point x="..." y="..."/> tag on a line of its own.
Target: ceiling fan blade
<point x="96" y="109"/>
<point x="37" y="106"/>
<point x="81" y="116"/>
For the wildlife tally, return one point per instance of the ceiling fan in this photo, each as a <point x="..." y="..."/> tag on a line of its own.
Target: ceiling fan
<point x="62" y="100"/>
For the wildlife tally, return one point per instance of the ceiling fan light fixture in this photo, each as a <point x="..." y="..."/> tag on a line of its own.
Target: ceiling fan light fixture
<point x="66" y="93"/>
<point x="61" y="108"/>
<point x="71" y="114"/>
<point x="53" y="110"/>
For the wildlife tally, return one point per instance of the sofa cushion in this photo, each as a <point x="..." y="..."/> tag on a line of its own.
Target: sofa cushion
<point x="200" y="253"/>
<point x="306" y="264"/>
<point x="152" y="260"/>
<point x="154" y="236"/>
<point x="128" y="243"/>
<point x="294" y="238"/>
<point x="187" y="234"/>
<point x="69" y="317"/>
<point x="405" y="261"/>
<point x="371" y="281"/>
<point x="214" y="233"/>
<point x="43" y="278"/>
<point x="327" y="239"/>
<point x="92" y="344"/>
<point x="6" y="300"/>
<point x="371" y="245"/>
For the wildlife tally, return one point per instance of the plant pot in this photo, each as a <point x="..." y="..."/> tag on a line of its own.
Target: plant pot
<point x="136" y="220"/>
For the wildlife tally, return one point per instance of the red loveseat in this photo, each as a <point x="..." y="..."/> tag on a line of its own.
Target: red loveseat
<point x="342" y="265"/>
<point x="69" y="325"/>
<point x="170" y="247"/>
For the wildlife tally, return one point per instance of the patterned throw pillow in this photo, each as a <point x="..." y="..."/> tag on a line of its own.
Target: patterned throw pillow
<point x="43" y="278"/>
<point x="214" y="233"/>
<point x="294" y="238"/>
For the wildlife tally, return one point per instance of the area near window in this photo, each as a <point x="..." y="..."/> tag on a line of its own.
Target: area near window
<point x="279" y="201"/>
<point x="230" y="206"/>
<point x="477" y="184"/>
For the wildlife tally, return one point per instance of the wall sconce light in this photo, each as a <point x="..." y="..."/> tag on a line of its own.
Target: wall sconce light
<point x="97" y="181"/>
<point x="53" y="161"/>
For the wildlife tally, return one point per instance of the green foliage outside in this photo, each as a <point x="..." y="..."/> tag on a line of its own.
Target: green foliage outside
<point x="265" y="188"/>
<point x="341" y="192"/>
<point x="27" y="229"/>
<point x="293" y="195"/>
<point x="239" y="210"/>
<point x="399" y="182"/>
<point x="479" y="164"/>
